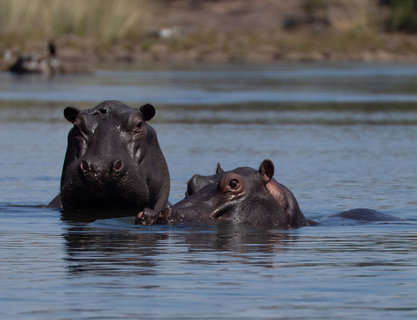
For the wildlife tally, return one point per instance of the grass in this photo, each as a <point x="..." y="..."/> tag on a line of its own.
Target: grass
<point x="126" y="27"/>
<point x="107" y="20"/>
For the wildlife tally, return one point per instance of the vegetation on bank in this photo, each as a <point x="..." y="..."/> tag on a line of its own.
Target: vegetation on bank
<point x="157" y="29"/>
<point x="103" y="19"/>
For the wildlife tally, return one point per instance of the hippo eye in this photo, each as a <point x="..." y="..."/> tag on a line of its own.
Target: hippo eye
<point x="234" y="183"/>
<point x="231" y="184"/>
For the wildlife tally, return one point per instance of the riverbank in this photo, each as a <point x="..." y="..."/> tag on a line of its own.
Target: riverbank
<point x="185" y="31"/>
<point x="233" y="48"/>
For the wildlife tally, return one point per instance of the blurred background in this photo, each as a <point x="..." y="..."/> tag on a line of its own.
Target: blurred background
<point x="212" y="30"/>
<point x="326" y="89"/>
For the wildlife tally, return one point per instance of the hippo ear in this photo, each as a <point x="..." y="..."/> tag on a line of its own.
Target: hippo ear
<point x="219" y="169"/>
<point x="148" y="111"/>
<point x="266" y="169"/>
<point x="71" y="113"/>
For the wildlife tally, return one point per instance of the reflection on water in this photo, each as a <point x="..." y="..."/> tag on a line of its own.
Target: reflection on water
<point x="99" y="252"/>
<point x="340" y="136"/>
<point x="111" y="268"/>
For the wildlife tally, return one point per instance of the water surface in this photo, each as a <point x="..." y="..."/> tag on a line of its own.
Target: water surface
<point x="341" y="136"/>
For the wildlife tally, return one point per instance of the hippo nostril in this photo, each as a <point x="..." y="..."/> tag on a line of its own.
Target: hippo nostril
<point x="85" y="166"/>
<point x="118" y="165"/>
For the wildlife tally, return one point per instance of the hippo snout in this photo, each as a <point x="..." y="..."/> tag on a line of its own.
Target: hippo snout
<point x="198" y="182"/>
<point x="192" y="185"/>
<point x="94" y="169"/>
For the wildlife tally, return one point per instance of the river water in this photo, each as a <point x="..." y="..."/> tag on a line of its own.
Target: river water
<point x="341" y="136"/>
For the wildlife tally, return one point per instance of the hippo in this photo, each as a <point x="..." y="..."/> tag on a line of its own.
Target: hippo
<point x="243" y="195"/>
<point x="113" y="162"/>
<point x="249" y="196"/>
<point x="281" y="193"/>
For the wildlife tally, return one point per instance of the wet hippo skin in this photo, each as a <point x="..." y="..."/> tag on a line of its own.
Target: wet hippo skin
<point x="113" y="161"/>
<point x="243" y="195"/>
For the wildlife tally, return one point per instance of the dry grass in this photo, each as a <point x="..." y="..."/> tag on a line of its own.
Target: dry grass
<point x="217" y="30"/>
<point x="105" y="19"/>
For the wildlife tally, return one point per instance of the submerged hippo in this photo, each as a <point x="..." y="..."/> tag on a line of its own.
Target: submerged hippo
<point x="113" y="160"/>
<point x="243" y="195"/>
<point x="281" y="193"/>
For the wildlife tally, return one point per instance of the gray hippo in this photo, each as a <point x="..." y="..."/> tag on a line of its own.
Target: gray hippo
<point x="113" y="161"/>
<point x="245" y="195"/>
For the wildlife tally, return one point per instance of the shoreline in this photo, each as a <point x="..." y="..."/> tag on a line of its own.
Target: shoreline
<point x="216" y="31"/>
<point x="162" y="51"/>
<point x="84" y="53"/>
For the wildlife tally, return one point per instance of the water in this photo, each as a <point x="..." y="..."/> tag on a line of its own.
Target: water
<point x="341" y="136"/>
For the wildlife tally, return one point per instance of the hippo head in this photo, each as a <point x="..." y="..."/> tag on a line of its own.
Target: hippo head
<point x="285" y="198"/>
<point x="106" y="159"/>
<point x="241" y="195"/>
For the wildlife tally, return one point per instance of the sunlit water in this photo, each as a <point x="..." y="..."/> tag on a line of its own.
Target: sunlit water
<point x="341" y="136"/>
